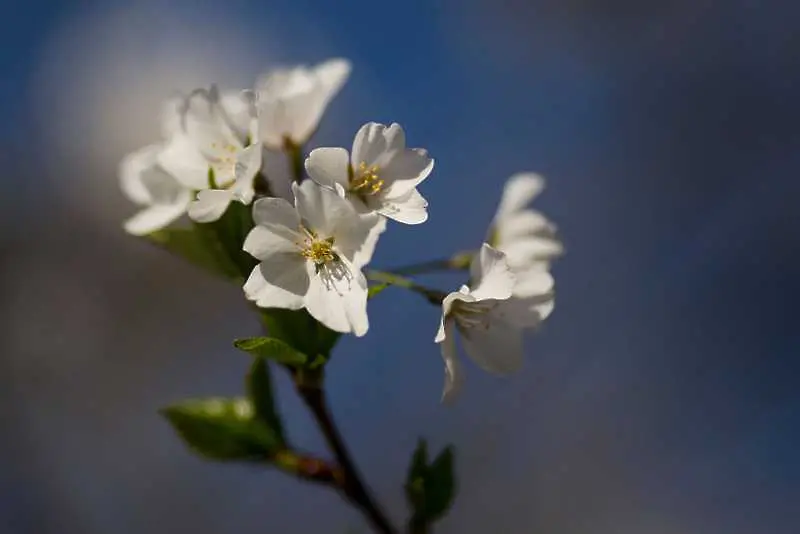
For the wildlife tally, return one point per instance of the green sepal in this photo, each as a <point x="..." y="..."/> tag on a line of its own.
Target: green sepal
<point x="216" y="246"/>
<point x="226" y="237"/>
<point x="300" y="331"/>
<point x="223" y="429"/>
<point x="194" y="247"/>
<point x="430" y="487"/>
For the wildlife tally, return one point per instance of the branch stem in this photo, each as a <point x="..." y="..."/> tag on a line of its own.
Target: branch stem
<point x="457" y="262"/>
<point x="434" y="296"/>
<point x="351" y="485"/>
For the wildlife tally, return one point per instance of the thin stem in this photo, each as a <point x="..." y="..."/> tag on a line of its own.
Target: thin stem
<point x="433" y="296"/>
<point x="308" y="467"/>
<point x="457" y="262"/>
<point x="351" y="485"/>
<point x="295" y="153"/>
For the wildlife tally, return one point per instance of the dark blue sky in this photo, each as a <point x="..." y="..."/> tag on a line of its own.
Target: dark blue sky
<point x="662" y="395"/>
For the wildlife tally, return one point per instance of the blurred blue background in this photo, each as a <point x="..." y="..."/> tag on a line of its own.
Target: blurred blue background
<point x="660" y="398"/>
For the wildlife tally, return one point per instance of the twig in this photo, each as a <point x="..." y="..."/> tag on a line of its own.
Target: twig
<point x="351" y="485"/>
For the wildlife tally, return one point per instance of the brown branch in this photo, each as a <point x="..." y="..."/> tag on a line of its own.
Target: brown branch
<point x="308" y="467"/>
<point x="351" y="485"/>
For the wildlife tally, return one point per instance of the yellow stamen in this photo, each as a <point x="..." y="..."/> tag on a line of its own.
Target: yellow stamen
<point x="319" y="251"/>
<point x="366" y="181"/>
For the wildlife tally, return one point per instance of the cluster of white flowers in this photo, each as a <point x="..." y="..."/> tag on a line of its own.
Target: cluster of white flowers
<point x="314" y="237"/>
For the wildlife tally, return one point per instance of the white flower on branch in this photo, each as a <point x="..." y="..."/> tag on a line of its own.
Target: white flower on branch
<point x="490" y="320"/>
<point x="526" y="236"/>
<point x="212" y="150"/>
<point x="310" y="257"/>
<point x="146" y="183"/>
<point x="291" y="101"/>
<point x="380" y="174"/>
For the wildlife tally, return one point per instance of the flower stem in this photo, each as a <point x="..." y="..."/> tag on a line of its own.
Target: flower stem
<point x="457" y="262"/>
<point x="350" y="484"/>
<point x="295" y="153"/>
<point x="434" y="296"/>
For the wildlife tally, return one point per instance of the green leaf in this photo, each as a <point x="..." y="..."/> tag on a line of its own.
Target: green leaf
<point x="419" y="462"/>
<point x="272" y="349"/>
<point x="194" y="246"/>
<point x="300" y="331"/>
<point x="430" y="487"/>
<point x="375" y="289"/>
<point x="227" y="235"/>
<point x="262" y="397"/>
<point x="223" y="429"/>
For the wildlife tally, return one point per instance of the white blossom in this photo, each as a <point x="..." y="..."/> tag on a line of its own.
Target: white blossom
<point x="526" y="236"/>
<point x="291" y="101"/>
<point x="489" y="320"/>
<point x="309" y="257"/>
<point x="147" y="184"/>
<point x="380" y="174"/>
<point x="212" y="150"/>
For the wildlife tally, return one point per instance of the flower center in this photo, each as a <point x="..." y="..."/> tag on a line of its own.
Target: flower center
<point x="366" y="181"/>
<point x="316" y="250"/>
<point x="320" y="252"/>
<point x="223" y="163"/>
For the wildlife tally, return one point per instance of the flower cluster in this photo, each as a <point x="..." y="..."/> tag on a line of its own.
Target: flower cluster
<point x="316" y="219"/>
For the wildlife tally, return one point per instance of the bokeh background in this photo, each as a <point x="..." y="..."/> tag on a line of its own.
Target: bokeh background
<point x="660" y="398"/>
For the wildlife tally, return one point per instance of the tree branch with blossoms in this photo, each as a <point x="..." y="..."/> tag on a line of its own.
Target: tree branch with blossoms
<point x="297" y="233"/>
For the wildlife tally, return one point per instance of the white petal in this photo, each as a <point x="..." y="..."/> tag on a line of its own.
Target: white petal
<point x="262" y="243"/>
<point x="526" y="252"/>
<point x="406" y="170"/>
<point x="533" y="282"/>
<point x="337" y="297"/>
<point x="183" y="160"/>
<point x="239" y="108"/>
<point x="131" y="170"/>
<point x="248" y="164"/>
<point x="324" y="211"/>
<point x="328" y="79"/>
<point x="408" y="209"/>
<point x="524" y="223"/>
<point x="280" y="282"/>
<point x="205" y="121"/>
<point x="156" y="217"/>
<point x="332" y="75"/>
<point x="276" y="120"/>
<point x="210" y="205"/>
<point x="496" y="348"/>
<point x="243" y="191"/>
<point x="453" y="375"/>
<point x="364" y="252"/>
<point x="376" y="144"/>
<point x="543" y="307"/>
<point x="518" y="192"/>
<point x="291" y="102"/>
<point x="528" y="312"/>
<point x="276" y="213"/>
<point x="447" y="306"/>
<point x="490" y="275"/>
<point x="328" y="166"/>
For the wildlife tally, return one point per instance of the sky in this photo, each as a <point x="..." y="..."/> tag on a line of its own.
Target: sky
<point x="660" y="397"/>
